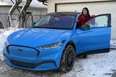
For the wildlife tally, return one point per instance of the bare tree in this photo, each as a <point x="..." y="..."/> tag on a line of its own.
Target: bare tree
<point x="12" y="1"/>
<point x="22" y="17"/>
<point x="13" y="8"/>
<point x="22" y="12"/>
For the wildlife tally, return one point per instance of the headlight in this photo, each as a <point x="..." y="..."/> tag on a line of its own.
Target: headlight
<point x="54" y="45"/>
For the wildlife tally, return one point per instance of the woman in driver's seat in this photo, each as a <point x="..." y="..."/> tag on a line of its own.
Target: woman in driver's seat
<point x="84" y="17"/>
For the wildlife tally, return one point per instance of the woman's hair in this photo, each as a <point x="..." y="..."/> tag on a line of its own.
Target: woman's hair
<point x="87" y="10"/>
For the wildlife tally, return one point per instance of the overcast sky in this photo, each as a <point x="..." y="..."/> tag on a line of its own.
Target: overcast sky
<point x="34" y="3"/>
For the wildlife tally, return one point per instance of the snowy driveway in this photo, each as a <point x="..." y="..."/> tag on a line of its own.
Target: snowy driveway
<point x="97" y="65"/>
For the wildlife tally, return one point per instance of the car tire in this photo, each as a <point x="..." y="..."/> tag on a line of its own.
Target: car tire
<point x="84" y="55"/>
<point x="68" y="58"/>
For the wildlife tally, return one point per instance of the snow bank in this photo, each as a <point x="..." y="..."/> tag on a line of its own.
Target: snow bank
<point x="100" y="65"/>
<point x="3" y="37"/>
<point x="97" y="65"/>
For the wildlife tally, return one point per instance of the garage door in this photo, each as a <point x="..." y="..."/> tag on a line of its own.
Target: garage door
<point x="95" y="8"/>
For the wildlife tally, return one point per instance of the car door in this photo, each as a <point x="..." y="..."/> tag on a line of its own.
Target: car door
<point x="98" y="36"/>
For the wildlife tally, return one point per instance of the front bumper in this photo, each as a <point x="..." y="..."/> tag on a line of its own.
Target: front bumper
<point x="47" y="59"/>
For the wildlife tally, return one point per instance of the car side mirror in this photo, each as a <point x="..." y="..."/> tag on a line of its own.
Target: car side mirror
<point x="85" y="27"/>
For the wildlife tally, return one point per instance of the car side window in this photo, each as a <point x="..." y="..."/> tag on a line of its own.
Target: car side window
<point x="1" y="25"/>
<point x="99" y="21"/>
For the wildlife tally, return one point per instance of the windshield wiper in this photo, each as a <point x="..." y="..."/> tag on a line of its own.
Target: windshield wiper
<point x="40" y="27"/>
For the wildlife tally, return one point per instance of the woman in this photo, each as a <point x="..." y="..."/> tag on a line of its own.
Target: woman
<point x="84" y="17"/>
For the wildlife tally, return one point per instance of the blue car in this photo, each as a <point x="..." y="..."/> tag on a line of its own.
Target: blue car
<point x="54" y="41"/>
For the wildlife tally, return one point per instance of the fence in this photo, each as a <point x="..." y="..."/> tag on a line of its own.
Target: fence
<point x="5" y="22"/>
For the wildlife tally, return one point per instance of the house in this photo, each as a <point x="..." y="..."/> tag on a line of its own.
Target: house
<point x="36" y="11"/>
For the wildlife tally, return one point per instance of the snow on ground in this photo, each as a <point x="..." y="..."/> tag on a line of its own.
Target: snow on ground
<point x="113" y="44"/>
<point x="97" y="65"/>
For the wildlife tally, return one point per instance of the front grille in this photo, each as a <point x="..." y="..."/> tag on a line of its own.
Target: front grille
<point x="24" y="50"/>
<point x="23" y="64"/>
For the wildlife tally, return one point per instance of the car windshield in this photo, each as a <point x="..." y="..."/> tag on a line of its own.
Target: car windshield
<point x="56" y="21"/>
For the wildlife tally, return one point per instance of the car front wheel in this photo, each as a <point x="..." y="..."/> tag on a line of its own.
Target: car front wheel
<point x="68" y="59"/>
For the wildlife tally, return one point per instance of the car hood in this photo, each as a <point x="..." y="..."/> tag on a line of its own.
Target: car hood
<point x="38" y="37"/>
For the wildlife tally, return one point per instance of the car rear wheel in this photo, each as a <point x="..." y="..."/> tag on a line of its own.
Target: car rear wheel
<point x="68" y="59"/>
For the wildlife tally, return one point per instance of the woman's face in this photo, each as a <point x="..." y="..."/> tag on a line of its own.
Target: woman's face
<point x="84" y="11"/>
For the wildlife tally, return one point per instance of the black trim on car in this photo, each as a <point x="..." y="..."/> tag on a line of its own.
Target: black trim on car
<point x="96" y="51"/>
<point x="29" y="65"/>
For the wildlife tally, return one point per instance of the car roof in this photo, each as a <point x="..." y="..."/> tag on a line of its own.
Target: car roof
<point x="64" y="13"/>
